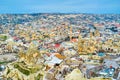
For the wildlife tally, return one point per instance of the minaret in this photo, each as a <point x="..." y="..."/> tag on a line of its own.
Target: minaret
<point x="97" y="33"/>
<point x="70" y="34"/>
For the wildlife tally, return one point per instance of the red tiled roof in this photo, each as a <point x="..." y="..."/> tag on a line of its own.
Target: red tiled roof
<point x="57" y="45"/>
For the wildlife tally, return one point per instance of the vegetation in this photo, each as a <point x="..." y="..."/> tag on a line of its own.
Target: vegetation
<point x="8" y="71"/>
<point x="27" y="66"/>
<point x="5" y="62"/>
<point x="21" y="69"/>
<point x="39" y="77"/>
<point x="3" y="37"/>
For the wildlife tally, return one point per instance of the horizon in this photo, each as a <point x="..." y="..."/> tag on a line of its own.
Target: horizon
<point x="59" y="13"/>
<point x="60" y="6"/>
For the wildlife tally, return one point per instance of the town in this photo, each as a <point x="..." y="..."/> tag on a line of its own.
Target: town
<point x="57" y="46"/>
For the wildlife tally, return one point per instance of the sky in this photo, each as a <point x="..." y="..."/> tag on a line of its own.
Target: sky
<point x="60" y="6"/>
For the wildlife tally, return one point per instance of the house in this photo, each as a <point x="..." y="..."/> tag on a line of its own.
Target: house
<point x="112" y="63"/>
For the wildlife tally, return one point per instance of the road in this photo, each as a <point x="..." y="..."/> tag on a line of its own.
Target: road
<point x="7" y="57"/>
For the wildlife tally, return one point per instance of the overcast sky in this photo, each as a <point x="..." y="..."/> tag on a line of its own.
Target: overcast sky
<point x="62" y="6"/>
